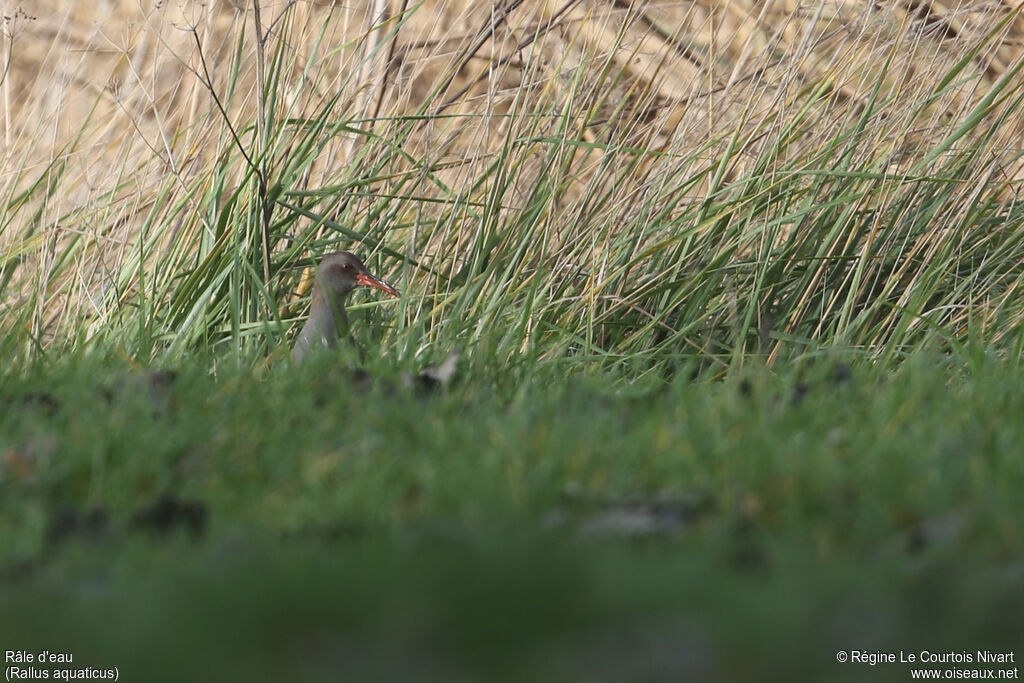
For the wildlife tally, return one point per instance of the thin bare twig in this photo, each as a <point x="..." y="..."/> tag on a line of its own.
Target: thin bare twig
<point x="552" y="23"/>
<point x="485" y="32"/>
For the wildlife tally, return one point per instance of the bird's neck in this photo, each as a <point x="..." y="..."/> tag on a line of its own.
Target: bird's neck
<point x="328" y="311"/>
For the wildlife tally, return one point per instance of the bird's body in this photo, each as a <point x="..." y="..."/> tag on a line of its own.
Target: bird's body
<point x="338" y="274"/>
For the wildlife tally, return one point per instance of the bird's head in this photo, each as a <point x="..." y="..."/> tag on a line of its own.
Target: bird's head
<point x="341" y="272"/>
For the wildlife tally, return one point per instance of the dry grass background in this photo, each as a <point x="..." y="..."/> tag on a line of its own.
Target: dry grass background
<point x="112" y="138"/>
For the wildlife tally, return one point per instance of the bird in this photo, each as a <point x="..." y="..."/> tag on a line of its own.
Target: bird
<point x="337" y="275"/>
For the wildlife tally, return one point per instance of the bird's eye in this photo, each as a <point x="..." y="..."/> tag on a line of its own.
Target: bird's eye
<point x="347" y="266"/>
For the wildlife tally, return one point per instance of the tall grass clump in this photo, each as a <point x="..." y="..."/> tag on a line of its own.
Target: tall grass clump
<point x="627" y="185"/>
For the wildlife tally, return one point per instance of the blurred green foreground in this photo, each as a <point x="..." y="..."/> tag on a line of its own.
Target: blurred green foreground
<point x="293" y="527"/>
